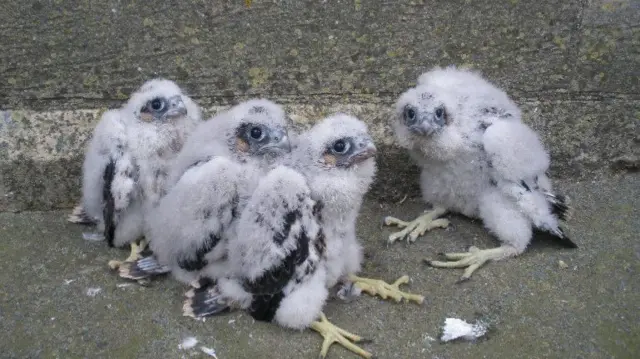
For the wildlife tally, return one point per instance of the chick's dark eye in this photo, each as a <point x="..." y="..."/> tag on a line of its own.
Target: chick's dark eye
<point x="439" y="112"/>
<point x="339" y="146"/>
<point x="256" y="133"/>
<point x="409" y="115"/>
<point x="157" y="104"/>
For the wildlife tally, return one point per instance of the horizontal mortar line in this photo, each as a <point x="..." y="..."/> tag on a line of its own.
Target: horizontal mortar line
<point x="515" y="93"/>
<point x="197" y="97"/>
<point x="62" y="112"/>
<point x="555" y="97"/>
<point x="380" y="96"/>
<point x="361" y="97"/>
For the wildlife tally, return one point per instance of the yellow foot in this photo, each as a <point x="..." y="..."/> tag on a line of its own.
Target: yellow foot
<point x="136" y="249"/>
<point x="333" y="334"/>
<point x="416" y="228"/>
<point x="473" y="259"/>
<point x="384" y="290"/>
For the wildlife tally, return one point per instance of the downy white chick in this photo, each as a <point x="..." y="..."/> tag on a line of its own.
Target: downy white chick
<point x="296" y="238"/>
<point x="477" y="159"/>
<point x="337" y="158"/>
<point x="127" y="161"/>
<point x="211" y="181"/>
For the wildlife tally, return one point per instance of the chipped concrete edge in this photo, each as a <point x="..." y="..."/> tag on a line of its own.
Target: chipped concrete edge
<point x="54" y="135"/>
<point x="41" y="152"/>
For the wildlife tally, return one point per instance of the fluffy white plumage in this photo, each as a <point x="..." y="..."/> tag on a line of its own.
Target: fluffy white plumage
<point x="335" y="180"/>
<point x="128" y="158"/>
<point x="278" y="253"/>
<point x="477" y="93"/>
<point x="478" y="159"/>
<point x="340" y="182"/>
<point x="219" y="137"/>
<point x="296" y="236"/>
<point x="212" y="179"/>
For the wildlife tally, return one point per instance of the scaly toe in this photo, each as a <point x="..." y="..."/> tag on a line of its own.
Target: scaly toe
<point x="402" y="280"/>
<point x="413" y="236"/>
<point x="441" y="223"/>
<point x="392" y="221"/>
<point x="457" y="264"/>
<point x="471" y="269"/>
<point x="397" y="236"/>
<point x="456" y="256"/>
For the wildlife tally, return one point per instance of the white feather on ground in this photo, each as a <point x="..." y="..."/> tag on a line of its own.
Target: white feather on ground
<point x="455" y="328"/>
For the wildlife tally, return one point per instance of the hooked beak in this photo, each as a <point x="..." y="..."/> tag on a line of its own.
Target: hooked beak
<point x="176" y="107"/>
<point x="279" y="141"/>
<point x="426" y="125"/>
<point x="366" y="149"/>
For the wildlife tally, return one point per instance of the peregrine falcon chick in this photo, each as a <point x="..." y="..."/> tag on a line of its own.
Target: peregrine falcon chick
<point x="127" y="161"/>
<point x="337" y="156"/>
<point x="327" y="175"/>
<point x="211" y="181"/>
<point x="279" y="261"/>
<point x="478" y="159"/>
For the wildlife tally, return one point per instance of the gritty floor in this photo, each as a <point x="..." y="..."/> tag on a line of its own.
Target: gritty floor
<point x="539" y="309"/>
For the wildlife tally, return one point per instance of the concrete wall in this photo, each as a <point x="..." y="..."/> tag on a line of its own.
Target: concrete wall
<point x="572" y="65"/>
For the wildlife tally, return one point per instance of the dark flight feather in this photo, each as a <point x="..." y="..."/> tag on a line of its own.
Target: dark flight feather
<point x="199" y="262"/>
<point x="108" y="211"/>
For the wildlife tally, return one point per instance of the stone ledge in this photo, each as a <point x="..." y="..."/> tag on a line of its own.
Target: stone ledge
<point x="41" y="152"/>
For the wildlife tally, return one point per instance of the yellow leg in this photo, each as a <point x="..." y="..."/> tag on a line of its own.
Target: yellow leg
<point x="473" y="259"/>
<point x="333" y="334"/>
<point x="134" y="254"/>
<point x="419" y="226"/>
<point x="384" y="290"/>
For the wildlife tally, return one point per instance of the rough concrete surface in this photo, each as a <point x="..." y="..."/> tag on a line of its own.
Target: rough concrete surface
<point x="572" y="65"/>
<point x="539" y="310"/>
